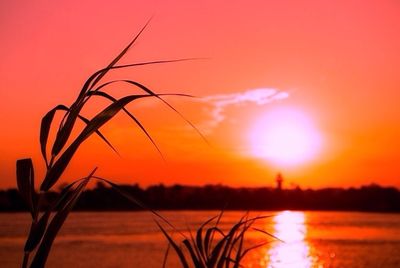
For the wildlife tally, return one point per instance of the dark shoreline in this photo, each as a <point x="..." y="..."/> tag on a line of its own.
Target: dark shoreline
<point x="212" y="210"/>
<point x="370" y="198"/>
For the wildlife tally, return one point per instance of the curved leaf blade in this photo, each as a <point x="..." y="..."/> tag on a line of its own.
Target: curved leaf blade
<point x="87" y="121"/>
<point x="98" y="121"/>
<point x="85" y="88"/>
<point x="109" y="97"/>
<point x="135" y="201"/>
<point x="45" y="128"/>
<point x="150" y="92"/>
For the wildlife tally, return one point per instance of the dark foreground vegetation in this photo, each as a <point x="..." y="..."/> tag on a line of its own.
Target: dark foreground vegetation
<point x="216" y="197"/>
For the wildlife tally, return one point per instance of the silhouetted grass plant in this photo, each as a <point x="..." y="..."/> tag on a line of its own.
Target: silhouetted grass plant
<point x="58" y="153"/>
<point x="213" y="247"/>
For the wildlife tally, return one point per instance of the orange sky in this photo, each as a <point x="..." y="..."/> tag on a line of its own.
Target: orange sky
<point x="336" y="62"/>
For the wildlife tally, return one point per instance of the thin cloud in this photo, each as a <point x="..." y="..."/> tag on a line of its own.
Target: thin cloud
<point x="259" y="96"/>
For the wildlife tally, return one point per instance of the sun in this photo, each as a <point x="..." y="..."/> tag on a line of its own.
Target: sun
<point x="285" y="137"/>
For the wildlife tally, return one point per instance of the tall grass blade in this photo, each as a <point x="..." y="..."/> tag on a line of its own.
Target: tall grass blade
<point x="150" y="92"/>
<point x="123" y="52"/>
<point x="232" y="238"/>
<point x="56" y="223"/>
<point x="126" y="81"/>
<point x="213" y="233"/>
<point x="240" y="247"/>
<point x="36" y="232"/>
<point x="58" y="168"/>
<point x="136" y="201"/>
<point x="215" y="253"/>
<point x="201" y="245"/>
<point x="128" y="196"/>
<point x="193" y="255"/>
<point x="65" y="195"/>
<point x="269" y="234"/>
<point x="247" y="250"/>
<point x="65" y="129"/>
<point x="166" y="256"/>
<point x="207" y="238"/>
<point x="202" y="259"/>
<point x="26" y="184"/>
<point x="175" y="246"/>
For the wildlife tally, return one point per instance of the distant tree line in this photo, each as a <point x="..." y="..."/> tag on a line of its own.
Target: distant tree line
<point x="216" y="197"/>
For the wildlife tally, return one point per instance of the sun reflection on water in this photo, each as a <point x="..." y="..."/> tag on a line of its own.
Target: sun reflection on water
<point x="293" y="251"/>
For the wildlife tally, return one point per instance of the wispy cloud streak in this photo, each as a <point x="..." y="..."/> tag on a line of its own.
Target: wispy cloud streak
<point x="259" y="96"/>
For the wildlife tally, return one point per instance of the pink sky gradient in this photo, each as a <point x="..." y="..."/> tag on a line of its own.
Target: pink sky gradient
<point x="337" y="61"/>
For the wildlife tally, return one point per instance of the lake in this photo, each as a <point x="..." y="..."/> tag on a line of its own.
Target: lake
<point x="132" y="239"/>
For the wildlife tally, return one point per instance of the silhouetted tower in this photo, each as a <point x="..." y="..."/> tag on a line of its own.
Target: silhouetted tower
<point x="279" y="181"/>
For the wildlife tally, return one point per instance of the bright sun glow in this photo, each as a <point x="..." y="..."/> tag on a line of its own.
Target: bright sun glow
<point x="285" y="137"/>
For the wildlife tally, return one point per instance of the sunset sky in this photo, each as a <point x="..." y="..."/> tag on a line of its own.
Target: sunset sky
<point x="307" y="88"/>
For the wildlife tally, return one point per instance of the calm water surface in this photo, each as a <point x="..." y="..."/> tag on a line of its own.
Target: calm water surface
<point x="131" y="239"/>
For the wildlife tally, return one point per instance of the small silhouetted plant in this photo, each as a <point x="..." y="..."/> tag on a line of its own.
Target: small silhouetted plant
<point x="212" y="247"/>
<point x="58" y="154"/>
